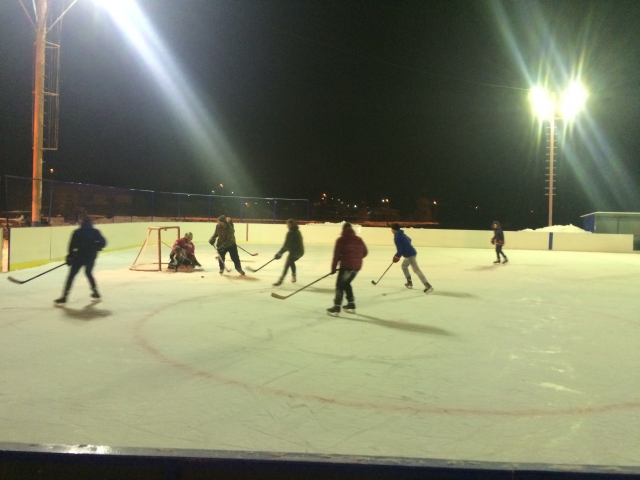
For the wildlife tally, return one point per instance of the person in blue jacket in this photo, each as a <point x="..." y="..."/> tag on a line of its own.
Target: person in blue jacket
<point x="84" y="246"/>
<point x="406" y="250"/>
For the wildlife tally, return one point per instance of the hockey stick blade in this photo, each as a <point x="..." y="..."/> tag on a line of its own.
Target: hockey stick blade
<point x="252" y="254"/>
<point x="374" y="282"/>
<point x="282" y="297"/>
<point x="223" y="265"/>
<point x="21" y="282"/>
<point x="254" y="270"/>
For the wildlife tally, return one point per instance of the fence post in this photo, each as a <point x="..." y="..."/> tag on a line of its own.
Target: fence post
<point x="50" y="201"/>
<point x="275" y="208"/>
<point x="113" y="202"/>
<point x="153" y="205"/>
<point x="209" y="207"/>
<point x="179" y="208"/>
<point x="241" y="213"/>
<point x="6" y="198"/>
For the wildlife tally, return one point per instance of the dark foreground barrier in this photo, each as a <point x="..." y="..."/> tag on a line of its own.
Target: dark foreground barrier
<point x="24" y="461"/>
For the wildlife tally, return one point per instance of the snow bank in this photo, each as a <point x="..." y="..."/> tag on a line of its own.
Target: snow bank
<point x="558" y="228"/>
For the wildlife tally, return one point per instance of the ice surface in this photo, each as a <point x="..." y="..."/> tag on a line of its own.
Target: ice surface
<point x="533" y="361"/>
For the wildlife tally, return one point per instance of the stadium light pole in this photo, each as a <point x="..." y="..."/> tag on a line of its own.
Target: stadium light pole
<point x="38" y="110"/>
<point x="547" y="109"/>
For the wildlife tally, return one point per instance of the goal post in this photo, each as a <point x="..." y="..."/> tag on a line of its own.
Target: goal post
<point x="156" y="248"/>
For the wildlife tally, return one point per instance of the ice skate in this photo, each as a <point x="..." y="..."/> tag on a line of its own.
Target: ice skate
<point x="95" y="295"/>
<point x="497" y="261"/>
<point x="350" y="307"/>
<point x="221" y="272"/>
<point x="409" y="284"/>
<point x="60" y="302"/>
<point x="505" y="260"/>
<point x="428" y="288"/>
<point x="293" y="278"/>
<point x="241" y="272"/>
<point x="278" y="283"/>
<point x="333" y="311"/>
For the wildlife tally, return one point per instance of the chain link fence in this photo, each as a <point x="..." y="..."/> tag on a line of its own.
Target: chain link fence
<point x="63" y="203"/>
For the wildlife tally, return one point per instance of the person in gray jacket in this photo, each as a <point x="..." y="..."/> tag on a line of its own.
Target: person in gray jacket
<point x="292" y="244"/>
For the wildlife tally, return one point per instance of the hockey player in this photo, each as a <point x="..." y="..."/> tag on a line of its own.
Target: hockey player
<point x="292" y="244"/>
<point x="348" y="252"/>
<point x="182" y="253"/>
<point x="498" y="241"/>
<point x="84" y="246"/>
<point x="225" y="235"/>
<point x="406" y="250"/>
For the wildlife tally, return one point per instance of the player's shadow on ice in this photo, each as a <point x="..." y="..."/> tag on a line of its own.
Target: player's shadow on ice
<point x="440" y="293"/>
<point x="407" y="327"/>
<point x="482" y="268"/>
<point x="88" y="312"/>
<point x="244" y="278"/>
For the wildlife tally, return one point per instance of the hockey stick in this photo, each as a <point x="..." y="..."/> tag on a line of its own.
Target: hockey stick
<point x="374" y="282"/>
<point x="254" y="271"/>
<point x="252" y="254"/>
<point x="219" y="258"/>
<point x="282" y="297"/>
<point x="20" y="282"/>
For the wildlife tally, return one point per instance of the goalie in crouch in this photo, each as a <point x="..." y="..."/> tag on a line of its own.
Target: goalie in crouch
<point x="182" y="253"/>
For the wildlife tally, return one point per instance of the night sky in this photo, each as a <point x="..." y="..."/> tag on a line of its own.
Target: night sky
<point x="361" y="100"/>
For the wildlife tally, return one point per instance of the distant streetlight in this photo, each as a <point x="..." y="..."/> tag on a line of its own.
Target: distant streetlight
<point x="547" y="109"/>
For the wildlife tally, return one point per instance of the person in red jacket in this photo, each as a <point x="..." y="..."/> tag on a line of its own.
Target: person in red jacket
<point x="182" y="253"/>
<point x="348" y="252"/>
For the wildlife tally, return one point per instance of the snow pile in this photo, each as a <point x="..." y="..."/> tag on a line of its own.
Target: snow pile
<point x="558" y="228"/>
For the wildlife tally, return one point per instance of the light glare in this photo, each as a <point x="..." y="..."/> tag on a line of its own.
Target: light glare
<point x="573" y="100"/>
<point x="542" y="102"/>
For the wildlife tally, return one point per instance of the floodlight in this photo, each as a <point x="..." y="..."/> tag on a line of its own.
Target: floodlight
<point x="542" y="102"/>
<point x="573" y="100"/>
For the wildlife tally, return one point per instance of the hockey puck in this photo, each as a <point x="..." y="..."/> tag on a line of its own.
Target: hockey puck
<point x="202" y="276"/>
<point x="384" y="294"/>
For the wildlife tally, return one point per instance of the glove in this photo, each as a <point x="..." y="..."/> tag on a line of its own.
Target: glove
<point x="69" y="259"/>
<point x="278" y="256"/>
<point x="333" y="271"/>
<point x="493" y="241"/>
<point x="212" y="241"/>
<point x="396" y="259"/>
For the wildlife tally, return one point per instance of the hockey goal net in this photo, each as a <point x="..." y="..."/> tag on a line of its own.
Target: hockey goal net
<point x="156" y="249"/>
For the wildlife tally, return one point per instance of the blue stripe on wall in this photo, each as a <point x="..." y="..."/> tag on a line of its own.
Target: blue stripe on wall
<point x="550" y="240"/>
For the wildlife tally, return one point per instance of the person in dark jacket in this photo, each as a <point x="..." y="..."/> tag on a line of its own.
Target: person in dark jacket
<point x="225" y="234"/>
<point x="406" y="250"/>
<point x="84" y="246"/>
<point x="348" y="252"/>
<point x="292" y="244"/>
<point x="498" y="241"/>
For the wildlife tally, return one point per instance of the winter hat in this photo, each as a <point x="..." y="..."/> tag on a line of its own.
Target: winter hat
<point x="395" y="227"/>
<point x="222" y="218"/>
<point x="346" y="225"/>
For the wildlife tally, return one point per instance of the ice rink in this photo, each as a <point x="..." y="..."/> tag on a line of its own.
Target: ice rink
<point x="534" y="361"/>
